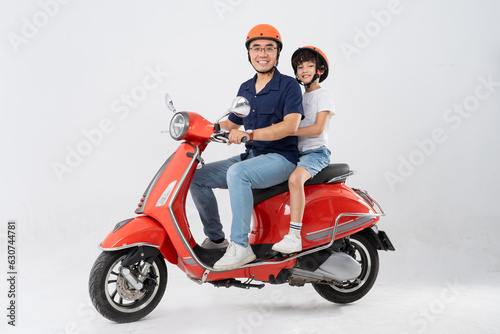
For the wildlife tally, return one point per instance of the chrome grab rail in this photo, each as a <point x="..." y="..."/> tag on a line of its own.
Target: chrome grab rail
<point x="381" y="211"/>
<point x="345" y="176"/>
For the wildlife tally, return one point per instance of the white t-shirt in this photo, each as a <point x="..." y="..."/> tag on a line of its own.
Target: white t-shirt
<point x="314" y="102"/>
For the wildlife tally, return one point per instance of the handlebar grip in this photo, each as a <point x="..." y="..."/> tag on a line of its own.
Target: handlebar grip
<point x="243" y="140"/>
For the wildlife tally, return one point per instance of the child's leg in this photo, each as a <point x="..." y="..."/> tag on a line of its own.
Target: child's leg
<point x="292" y="242"/>
<point x="297" y="198"/>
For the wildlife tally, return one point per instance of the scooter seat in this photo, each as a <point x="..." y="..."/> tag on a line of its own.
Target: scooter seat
<point x="329" y="172"/>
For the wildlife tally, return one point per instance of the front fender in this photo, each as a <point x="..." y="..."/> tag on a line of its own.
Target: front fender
<point x="140" y="231"/>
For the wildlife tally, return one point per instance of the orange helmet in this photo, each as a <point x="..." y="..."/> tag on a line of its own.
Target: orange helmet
<point x="321" y="61"/>
<point x="264" y="31"/>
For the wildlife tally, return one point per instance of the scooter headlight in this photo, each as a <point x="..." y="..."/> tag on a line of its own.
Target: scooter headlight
<point x="179" y="125"/>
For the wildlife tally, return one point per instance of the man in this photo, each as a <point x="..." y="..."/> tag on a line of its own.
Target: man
<point x="271" y="150"/>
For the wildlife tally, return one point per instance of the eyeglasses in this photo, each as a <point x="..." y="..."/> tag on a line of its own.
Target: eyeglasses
<point x="267" y="49"/>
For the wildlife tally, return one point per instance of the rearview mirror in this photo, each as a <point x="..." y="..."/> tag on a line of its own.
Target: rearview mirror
<point x="240" y="107"/>
<point x="169" y="103"/>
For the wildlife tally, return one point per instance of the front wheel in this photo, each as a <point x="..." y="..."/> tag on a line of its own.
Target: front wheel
<point x="114" y="297"/>
<point x="350" y="291"/>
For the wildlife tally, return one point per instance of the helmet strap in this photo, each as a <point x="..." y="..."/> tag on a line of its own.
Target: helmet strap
<point x="315" y="76"/>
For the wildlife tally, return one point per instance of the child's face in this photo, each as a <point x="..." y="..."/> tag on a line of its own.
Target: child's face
<point x="263" y="60"/>
<point x="306" y="71"/>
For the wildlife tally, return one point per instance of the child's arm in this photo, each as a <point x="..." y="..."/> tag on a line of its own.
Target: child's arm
<point x="317" y="128"/>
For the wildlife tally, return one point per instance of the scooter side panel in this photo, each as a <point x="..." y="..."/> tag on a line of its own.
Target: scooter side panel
<point x="328" y="202"/>
<point x="141" y="230"/>
<point x="324" y="203"/>
<point x="169" y="185"/>
<point x="167" y="203"/>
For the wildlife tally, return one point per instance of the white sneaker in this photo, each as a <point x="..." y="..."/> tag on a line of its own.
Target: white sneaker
<point x="209" y="244"/>
<point x="291" y="243"/>
<point x="235" y="257"/>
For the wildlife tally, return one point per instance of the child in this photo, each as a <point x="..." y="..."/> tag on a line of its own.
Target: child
<point x="311" y="67"/>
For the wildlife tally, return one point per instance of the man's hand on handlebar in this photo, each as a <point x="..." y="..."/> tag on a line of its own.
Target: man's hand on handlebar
<point x="238" y="137"/>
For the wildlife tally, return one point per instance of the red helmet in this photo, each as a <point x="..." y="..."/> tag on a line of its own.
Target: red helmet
<point x="264" y="31"/>
<point x="321" y="60"/>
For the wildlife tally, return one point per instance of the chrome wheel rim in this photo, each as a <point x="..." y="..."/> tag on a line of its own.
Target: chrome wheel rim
<point x="121" y="296"/>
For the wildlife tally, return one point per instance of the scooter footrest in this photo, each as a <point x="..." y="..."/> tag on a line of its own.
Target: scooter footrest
<point x="227" y="283"/>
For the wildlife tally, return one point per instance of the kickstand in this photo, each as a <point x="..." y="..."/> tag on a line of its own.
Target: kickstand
<point x="249" y="280"/>
<point x="204" y="277"/>
<point x="247" y="284"/>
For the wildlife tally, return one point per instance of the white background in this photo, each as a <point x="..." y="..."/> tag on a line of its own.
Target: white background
<point x="399" y="75"/>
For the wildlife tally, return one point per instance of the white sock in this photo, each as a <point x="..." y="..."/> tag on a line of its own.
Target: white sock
<point x="295" y="228"/>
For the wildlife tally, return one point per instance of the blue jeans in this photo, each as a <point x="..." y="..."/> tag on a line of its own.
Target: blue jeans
<point x="239" y="176"/>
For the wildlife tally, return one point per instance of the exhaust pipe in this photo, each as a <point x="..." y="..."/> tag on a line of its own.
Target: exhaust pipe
<point x="338" y="267"/>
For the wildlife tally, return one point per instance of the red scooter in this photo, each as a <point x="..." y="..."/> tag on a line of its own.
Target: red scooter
<point x="339" y="235"/>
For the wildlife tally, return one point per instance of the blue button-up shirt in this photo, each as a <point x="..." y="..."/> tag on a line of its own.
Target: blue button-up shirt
<point x="280" y="97"/>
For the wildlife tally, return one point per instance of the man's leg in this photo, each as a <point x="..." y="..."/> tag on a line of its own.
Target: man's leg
<point x="259" y="172"/>
<point x="212" y="175"/>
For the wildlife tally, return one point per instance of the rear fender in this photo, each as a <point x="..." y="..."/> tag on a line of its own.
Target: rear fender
<point x="378" y="238"/>
<point x="140" y="231"/>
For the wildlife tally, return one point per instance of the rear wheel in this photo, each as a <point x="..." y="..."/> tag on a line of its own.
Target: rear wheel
<point x="114" y="297"/>
<point x="352" y="290"/>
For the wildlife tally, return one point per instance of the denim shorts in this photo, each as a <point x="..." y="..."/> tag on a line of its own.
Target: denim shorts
<point x="314" y="160"/>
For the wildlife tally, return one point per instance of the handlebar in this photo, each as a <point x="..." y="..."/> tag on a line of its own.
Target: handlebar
<point x="243" y="140"/>
<point x="222" y="137"/>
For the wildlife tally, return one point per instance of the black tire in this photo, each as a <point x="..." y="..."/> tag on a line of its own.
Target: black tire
<point x="114" y="298"/>
<point x="353" y="290"/>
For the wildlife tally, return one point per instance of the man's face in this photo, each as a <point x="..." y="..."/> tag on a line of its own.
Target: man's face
<point x="263" y="54"/>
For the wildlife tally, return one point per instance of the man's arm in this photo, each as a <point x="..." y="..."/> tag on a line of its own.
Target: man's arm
<point x="228" y="125"/>
<point x="288" y="127"/>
